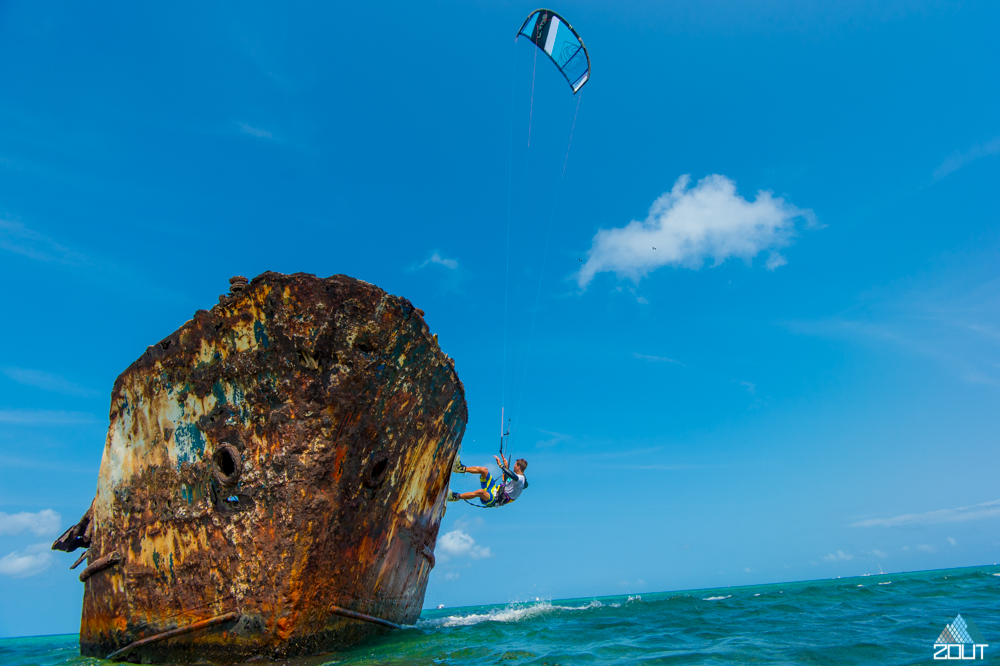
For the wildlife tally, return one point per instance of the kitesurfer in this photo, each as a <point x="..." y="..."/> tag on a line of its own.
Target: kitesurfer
<point x="494" y="492"/>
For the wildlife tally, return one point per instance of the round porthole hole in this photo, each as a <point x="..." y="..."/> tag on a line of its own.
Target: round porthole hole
<point x="226" y="464"/>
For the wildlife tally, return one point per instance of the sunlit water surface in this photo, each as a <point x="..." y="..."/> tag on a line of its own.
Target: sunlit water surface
<point x="885" y="619"/>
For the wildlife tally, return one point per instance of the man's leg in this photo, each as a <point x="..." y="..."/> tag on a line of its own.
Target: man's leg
<point x="482" y="494"/>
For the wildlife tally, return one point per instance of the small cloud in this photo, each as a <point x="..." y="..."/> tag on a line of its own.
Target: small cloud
<point x="906" y="549"/>
<point x="45" y="417"/>
<point x="689" y="225"/>
<point x="774" y="261"/>
<point x="657" y="359"/>
<point x="452" y="575"/>
<point x="839" y="556"/>
<point x="952" y="541"/>
<point x="48" y="381"/>
<point x="927" y="549"/>
<point x="879" y="553"/>
<point x="747" y="570"/>
<point x="958" y="160"/>
<point x="554" y="439"/>
<point x="44" y="522"/>
<point x="459" y="544"/>
<point x="438" y="259"/>
<point x="665" y="468"/>
<point x="961" y="514"/>
<point x="17" y="238"/>
<point x="465" y="522"/>
<point x="254" y="131"/>
<point x="28" y="562"/>
<point x="750" y="387"/>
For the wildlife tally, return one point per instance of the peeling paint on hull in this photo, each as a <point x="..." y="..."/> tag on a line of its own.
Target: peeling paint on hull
<point x="275" y="470"/>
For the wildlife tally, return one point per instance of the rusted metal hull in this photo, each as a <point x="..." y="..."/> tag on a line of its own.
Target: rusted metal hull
<point x="273" y="478"/>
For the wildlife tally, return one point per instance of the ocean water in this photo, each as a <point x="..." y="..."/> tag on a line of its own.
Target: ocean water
<point x="884" y="619"/>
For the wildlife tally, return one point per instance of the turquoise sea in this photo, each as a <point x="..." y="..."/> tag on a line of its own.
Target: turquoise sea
<point x="882" y="619"/>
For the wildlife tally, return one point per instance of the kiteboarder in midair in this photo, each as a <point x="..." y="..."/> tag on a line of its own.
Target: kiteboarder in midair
<point x="494" y="492"/>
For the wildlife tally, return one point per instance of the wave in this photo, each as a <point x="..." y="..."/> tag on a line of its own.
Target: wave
<point x="508" y="614"/>
<point x="717" y="598"/>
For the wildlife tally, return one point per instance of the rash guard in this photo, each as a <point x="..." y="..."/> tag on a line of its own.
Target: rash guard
<point x="515" y="483"/>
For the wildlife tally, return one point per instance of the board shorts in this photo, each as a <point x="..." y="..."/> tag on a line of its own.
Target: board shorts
<point x="495" y="487"/>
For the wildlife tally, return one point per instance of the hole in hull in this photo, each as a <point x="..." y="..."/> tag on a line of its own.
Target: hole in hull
<point x="226" y="464"/>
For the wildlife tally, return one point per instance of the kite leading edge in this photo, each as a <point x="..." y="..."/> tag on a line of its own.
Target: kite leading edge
<point x="554" y="35"/>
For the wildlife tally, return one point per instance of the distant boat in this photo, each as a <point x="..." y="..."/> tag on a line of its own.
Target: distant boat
<point x="440" y="606"/>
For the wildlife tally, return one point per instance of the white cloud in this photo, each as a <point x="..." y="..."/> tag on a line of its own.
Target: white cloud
<point x="459" y="544"/>
<point x="657" y="359"/>
<point x="957" y="160"/>
<point x="879" y="553"/>
<point x="775" y="261"/>
<point x="839" y="556"/>
<point x="452" y="575"/>
<point x="927" y="549"/>
<point x="638" y="583"/>
<point x="438" y="259"/>
<point x="28" y="562"/>
<point x="670" y="468"/>
<point x="961" y="514"/>
<point x="950" y="316"/>
<point x="48" y="381"/>
<point x="689" y="225"/>
<point x="750" y="387"/>
<point x="44" y="522"/>
<point x="17" y="238"/>
<point x="254" y="131"/>
<point x="952" y="541"/>
<point x="45" y="417"/>
<point x="554" y="439"/>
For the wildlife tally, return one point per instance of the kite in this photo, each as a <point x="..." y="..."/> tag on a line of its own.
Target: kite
<point x="554" y="35"/>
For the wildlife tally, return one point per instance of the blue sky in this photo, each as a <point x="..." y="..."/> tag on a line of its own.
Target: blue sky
<point x="803" y="383"/>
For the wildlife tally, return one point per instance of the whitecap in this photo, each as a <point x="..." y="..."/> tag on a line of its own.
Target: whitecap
<point x="717" y="598"/>
<point x="512" y="613"/>
<point x="888" y="582"/>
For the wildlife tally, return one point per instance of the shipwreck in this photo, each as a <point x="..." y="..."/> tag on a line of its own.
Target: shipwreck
<point x="273" y="478"/>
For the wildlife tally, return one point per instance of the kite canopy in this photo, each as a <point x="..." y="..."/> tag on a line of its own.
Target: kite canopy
<point x="554" y="35"/>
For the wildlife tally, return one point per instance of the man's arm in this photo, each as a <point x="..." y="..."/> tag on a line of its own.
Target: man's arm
<point x="502" y="463"/>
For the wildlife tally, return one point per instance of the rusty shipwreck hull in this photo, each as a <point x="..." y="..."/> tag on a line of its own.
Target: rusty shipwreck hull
<point x="273" y="478"/>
